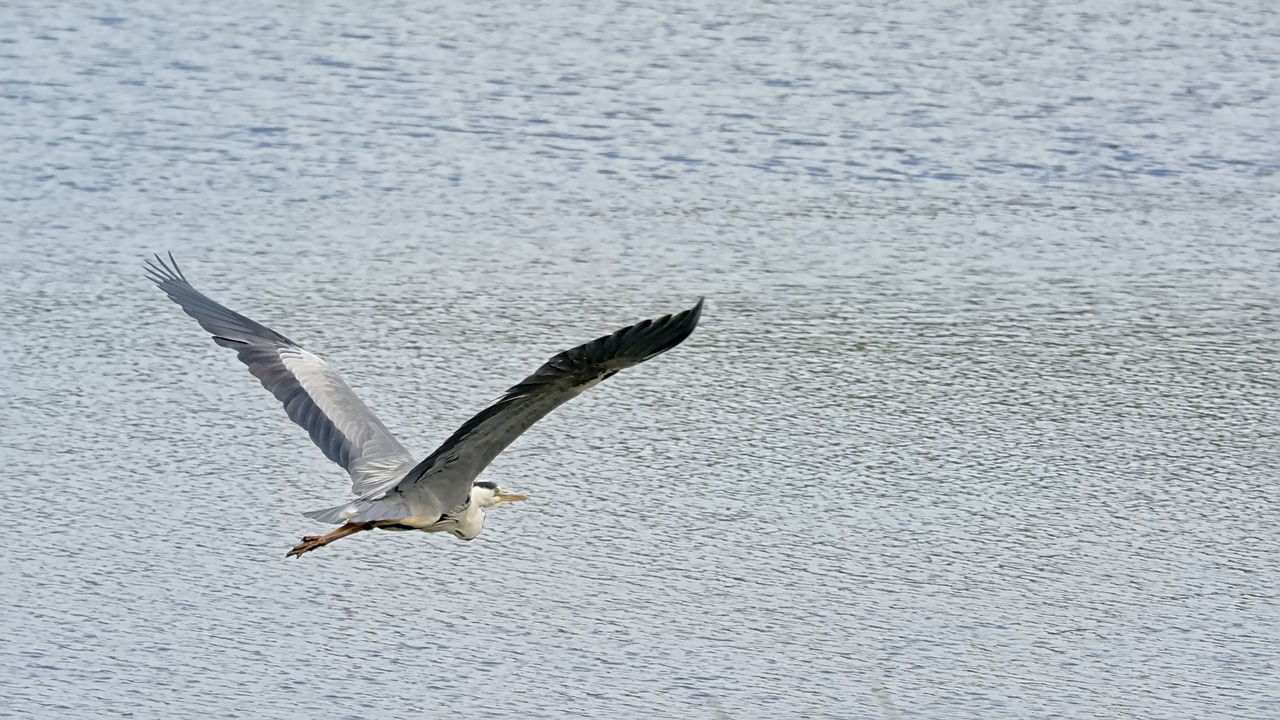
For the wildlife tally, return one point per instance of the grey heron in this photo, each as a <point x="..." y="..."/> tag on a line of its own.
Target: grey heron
<point x="393" y="491"/>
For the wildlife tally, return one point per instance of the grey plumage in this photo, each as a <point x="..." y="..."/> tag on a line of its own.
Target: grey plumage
<point x="314" y="396"/>
<point x="387" y="484"/>
<point x="474" y="445"/>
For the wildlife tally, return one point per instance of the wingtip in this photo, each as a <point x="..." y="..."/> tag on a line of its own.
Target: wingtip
<point x="673" y="329"/>
<point x="159" y="271"/>
<point x="694" y="314"/>
<point x="154" y="269"/>
<point x="176" y="268"/>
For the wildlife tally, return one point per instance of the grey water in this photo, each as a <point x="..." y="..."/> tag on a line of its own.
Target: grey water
<point x="982" y="418"/>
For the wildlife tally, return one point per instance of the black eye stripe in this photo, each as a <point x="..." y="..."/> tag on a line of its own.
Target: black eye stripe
<point x="486" y="484"/>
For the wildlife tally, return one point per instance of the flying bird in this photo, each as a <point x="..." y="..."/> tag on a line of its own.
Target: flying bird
<point x="393" y="491"/>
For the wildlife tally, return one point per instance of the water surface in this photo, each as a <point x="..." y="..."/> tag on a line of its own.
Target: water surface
<point x="981" y="420"/>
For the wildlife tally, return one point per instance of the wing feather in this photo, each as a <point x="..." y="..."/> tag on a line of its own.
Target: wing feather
<point x="473" y="446"/>
<point x="313" y="395"/>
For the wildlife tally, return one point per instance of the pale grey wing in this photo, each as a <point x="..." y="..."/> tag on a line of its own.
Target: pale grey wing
<point x="313" y="395"/>
<point x="450" y="470"/>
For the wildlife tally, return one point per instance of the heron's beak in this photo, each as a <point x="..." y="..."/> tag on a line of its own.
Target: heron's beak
<point x="507" y="497"/>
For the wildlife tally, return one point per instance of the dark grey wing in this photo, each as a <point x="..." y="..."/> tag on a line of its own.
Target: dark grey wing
<point x="313" y="394"/>
<point x="470" y="450"/>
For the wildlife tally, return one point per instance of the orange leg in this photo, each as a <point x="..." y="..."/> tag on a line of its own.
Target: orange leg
<point x="311" y="542"/>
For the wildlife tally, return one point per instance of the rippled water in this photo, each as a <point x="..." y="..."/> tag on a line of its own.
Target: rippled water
<point x="981" y="420"/>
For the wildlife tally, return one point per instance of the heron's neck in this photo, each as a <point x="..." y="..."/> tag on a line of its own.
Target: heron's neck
<point x="471" y="520"/>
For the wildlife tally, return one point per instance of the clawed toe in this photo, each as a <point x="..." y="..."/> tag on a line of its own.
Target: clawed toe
<point x="311" y="542"/>
<point x="308" y="543"/>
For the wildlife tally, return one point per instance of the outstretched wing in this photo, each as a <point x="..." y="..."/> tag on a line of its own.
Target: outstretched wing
<point x="470" y="450"/>
<point x="313" y="394"/>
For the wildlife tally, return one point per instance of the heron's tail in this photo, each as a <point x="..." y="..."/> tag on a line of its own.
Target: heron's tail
<point x="358" y="511"/>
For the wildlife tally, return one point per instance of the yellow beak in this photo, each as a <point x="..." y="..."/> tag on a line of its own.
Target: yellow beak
<point x="507" y="497"/>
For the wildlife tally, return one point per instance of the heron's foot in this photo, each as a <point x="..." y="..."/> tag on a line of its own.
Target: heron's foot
<point x="311" y="542"/>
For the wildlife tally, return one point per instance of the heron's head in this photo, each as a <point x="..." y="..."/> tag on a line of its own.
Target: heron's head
<point x="487" y="494"/>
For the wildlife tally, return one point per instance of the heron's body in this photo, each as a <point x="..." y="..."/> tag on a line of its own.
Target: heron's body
<point x="392" y="490"/>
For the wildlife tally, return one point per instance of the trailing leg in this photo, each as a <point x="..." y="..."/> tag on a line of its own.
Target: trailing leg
<point x="311" y="542"/>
